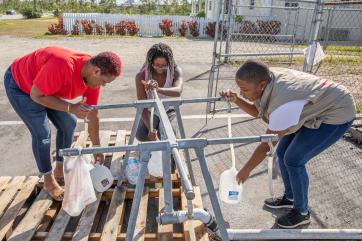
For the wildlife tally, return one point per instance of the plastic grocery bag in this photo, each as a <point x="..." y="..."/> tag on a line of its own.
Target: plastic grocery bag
<point x="314" y="52"/>
<point x="78" y="191"/>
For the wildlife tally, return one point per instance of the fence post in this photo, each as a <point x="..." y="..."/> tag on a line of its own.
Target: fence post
<point x="313" y="39"/>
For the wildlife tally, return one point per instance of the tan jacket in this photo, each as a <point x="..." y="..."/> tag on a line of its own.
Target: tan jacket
<point x="328" y="102"/>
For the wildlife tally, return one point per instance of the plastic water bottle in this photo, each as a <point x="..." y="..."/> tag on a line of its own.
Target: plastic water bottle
<point x="155" y="164"/>
<point x="132" y="170"/>
<point x="229" y="190"/>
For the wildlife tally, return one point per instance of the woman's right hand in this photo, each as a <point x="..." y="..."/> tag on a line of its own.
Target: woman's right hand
<point x="152" y="135"/>
<point x="229" y="95"/>
<point x="80" y="109"/>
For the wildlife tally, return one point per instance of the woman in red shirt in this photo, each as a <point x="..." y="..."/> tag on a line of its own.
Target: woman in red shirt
<point x="38" y="85"/>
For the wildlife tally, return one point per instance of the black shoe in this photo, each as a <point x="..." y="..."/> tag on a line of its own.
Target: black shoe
<point x="280" y="202"/>
<point x="293" y="219"/>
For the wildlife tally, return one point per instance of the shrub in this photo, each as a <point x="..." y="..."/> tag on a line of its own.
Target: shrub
<point x="132" y="28"/>
<point x="211" y="28"/>
<point x="57" y="12"/>
<point x="183" y="28"/>
<point x="121" y="27"/>
<point x="99" y="29"/>
<point x="31" y="13"/>
<point x="76" y="28"/>
<point x="88" y="26"/>
<point x="194" y="28"/>
<point x="166" y="27"/>
<point x="201" y="14"/>
<point x="57" y="28"/>
<point x="109" y="28"/>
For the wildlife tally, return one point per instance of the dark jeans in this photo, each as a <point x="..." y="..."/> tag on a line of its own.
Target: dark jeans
<point x="142" y="131"/>
<point x="36" y="117"/>
<point x="296" y="149"/>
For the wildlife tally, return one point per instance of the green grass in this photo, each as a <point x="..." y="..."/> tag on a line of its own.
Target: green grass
<point x="26" y="27"/>
<point x="359" y="109"/>
<point x="335" y="48"/>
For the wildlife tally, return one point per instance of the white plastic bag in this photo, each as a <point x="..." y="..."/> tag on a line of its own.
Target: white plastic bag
<point x="314" y="52"/>
<point x="79" y="191"/>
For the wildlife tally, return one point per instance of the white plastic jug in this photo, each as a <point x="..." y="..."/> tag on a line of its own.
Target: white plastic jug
<point x="102" y="178"/>
<point x="229" y="190"/>
<point x="155" y="164"/>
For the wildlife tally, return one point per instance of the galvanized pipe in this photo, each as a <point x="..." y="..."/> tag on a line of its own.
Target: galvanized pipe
<point x="151" y="102"/>
<point x="137" y="196"/>
<point x="212" y="194"/>
<point x="163" y="145"/>
<point x="186" y="151"/>
<point x="188" y="190"/>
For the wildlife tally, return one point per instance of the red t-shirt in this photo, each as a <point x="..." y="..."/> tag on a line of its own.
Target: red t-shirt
<point x="55" y="71"/>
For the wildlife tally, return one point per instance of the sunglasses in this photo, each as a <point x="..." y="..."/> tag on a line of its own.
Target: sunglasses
<point x="162" y="67"/>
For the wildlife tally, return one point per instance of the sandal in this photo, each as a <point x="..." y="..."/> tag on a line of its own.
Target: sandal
<point x="55" y="193"/>
<point x="60" y="180"/>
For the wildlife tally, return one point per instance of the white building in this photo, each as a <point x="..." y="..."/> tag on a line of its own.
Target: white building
<point x="344" y="18"/>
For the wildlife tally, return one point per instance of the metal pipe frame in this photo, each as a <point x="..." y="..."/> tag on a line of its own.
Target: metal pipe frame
<point x="169" y="145"/>
<point x="151" y="103"/>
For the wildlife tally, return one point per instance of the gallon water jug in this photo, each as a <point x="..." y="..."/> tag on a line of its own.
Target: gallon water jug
<point x="229" y="190"/>
<point x="102" y="178"/>
<point x="155" y="164"/>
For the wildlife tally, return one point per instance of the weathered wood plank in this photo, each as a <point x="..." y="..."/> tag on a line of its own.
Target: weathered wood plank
<point x="9" y="216"/>
<point x="140" y="229"/>
<point x="164" y="232"/>
<point x="115" y="215"/>
<point x="199" y="227"/>
<point x="27" y="227"/>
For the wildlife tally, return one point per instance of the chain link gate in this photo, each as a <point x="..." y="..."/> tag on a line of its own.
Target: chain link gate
<point x="278" y="33"/>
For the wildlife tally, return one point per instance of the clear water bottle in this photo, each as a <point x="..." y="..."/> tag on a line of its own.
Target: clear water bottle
<point x="132" y="170"/>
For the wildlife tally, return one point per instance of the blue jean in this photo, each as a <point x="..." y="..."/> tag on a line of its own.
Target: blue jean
<point x="296" y="149"/>
<point x="36" y="117"/>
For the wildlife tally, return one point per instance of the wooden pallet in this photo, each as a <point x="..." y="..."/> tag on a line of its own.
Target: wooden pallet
<point x="28" y="213"/>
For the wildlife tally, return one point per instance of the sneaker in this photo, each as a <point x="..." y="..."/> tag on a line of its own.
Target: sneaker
<point x="280" y="202"/>
<point x="293" y="219"/>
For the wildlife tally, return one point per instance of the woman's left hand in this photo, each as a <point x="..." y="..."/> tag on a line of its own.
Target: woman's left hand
<point x="242" y="175"/>
<point x="99" y="158"/>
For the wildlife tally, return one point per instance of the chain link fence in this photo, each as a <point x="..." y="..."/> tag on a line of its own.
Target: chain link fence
<point x="280" y="34"/>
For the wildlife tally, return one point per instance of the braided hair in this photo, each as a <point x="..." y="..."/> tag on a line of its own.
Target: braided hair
<point x="156" y="51"/>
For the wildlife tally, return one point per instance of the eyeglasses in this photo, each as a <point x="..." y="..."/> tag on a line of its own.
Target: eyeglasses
<point x="162" y="67"/>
